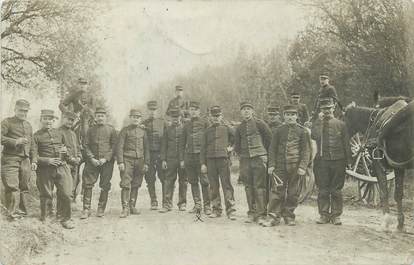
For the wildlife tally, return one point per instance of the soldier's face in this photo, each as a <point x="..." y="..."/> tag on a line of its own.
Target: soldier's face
<point x="194" y="112"/>
<point x="135" y="119"/>
<point x="20" y="113"/>
<point x="290" y="117"/>
<point x="295" y="100"/>
<point x="152" y="113"/>
<point x="179" y="93"/>
<point x="246" y="113"/>
<point x="327" y="111"/>
<point x="216" y="119"/>
<point x="84" y="98"/>
<point x="100" y="118"/>
<point x="47" y="122"/>
<point x="323" y="81"/>
<point x="274" y="117"/>
<point x="68" y="122"/>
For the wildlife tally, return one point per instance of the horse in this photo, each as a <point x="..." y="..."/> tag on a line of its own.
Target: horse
<point x="397" y="147"/>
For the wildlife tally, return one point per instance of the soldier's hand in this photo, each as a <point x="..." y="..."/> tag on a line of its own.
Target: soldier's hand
<point x="203" y="169"/>
<point x="301" y="172"/>
<point x="54" y="162"/>
<point x="270" y="170"/>
<point x="102" y="161"/>
<point x="182" y="164"/>
<point x="95" y="162"/>
<point x="34" y="166"/>
<point x="21" y="141"/>
<point x="164" y="165"/>
<point x="145" y="168"/>
<point x="121" y="167"/>
<point x="77" y="160"/>
<point x="229" y="149"/>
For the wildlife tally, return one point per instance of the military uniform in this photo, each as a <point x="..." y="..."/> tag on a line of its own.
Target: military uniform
<point x="15" y="163"/>
<point x="99" y="143"/>
<point x="50" y="143"/>
<point x="252" y="140"/>
<point x="333" y="154"/>
<point x="133" y="151"/>
<point x="326" y="91"/>
<point x="74" y="154"/>
<point x="214" y="154"/>
<point x="273" y="111"/>
<point x="154" y="128"/>
<point x="177" y="103"/>
<point x="190" y="144"/>
<point x="289" y="151"/>
<point x="170" y="145"/>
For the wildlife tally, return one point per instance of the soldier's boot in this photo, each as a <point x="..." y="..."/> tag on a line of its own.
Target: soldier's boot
<point x="195" y="191"/>
<point x="103" y="199"/>
<point x="205" y="189"/>
<point x="153" y="196"/>
<point x="133" y="201"/>
<point x="11" y="203"/>
<point x="87" y="198"/>
<point x="124" y="201"/>
<point x="251" y="209"/>
<point x="260" y="206"/>
<point x="43" y="209"/>
<point x="23" y="203"/>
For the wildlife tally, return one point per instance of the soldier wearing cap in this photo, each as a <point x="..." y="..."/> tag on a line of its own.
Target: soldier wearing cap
<point x="154" y="126"/>
<point x="52" y="169"/>
<point x="326" y="91"/>
<point x="177" y="101"/>
<point x="288" y="159"/>
<point x="18" y="150"/>
<point x="74" y="150"/>
<point x="133" y="160"/>
<point x="303" y="113"/>
<point x="334" y="154"/>
<point x="274" y="121"/>
<point x="216" y="143"/>
<point x="99" y="149"/>
<point x="252" y="140"/>
<point x="190" y="147"/>
<point x="170" y="145"/>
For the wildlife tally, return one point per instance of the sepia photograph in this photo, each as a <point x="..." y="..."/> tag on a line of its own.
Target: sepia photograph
<point x="210" y="132"/>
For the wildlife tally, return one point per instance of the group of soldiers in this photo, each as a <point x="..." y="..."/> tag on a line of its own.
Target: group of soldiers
<point x="274" y="158"/>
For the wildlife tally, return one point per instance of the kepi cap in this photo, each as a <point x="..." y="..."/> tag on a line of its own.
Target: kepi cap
<point x="23" y="104"/>
<point x="70" y="115"/>
<point x="272" y="110"/>
<point x="178" y="88"/>
<point x="215" y="111"/>
<point x="295" y="94"/>
<point x="100" y="110"/>
<point x="246" y="103"/>
<point x="135" y="112"/>
<point x="152" y="105"/>
<point x="48" y="113"/>
<point x="174" y="112"/>
<point x="290" y="108"/>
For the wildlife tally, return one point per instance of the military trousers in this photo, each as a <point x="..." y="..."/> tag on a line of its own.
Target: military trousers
<point x="74" y="171"/>
<point x="283" y="199"/>
<point x="47" y="178"/>
<point x="174" y="169"/>
<point x="331" y="181"/>
<point x="154" y="170"/>
<point x="254" y="171"/>
<point x="195" y="178"/>
<point x="218" y="171"/>
<point x="133" y="174"/>
<point x="104" y="173"/>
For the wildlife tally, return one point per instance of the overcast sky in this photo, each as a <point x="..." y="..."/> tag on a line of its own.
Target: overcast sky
<point x="144" y="43"/>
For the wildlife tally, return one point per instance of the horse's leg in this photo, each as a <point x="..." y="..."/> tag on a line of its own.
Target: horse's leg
<point x="383" y="192"/>
<point x="398" y="196"/>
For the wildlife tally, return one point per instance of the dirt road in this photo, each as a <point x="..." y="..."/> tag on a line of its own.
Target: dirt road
<point x="176" y="238"/>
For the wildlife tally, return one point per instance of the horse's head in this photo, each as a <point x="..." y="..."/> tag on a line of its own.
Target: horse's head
<point x="357" y="118"/>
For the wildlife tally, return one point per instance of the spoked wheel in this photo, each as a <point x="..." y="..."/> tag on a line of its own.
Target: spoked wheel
<point x="362" y="170"/>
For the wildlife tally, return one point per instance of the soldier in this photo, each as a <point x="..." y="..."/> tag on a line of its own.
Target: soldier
<point x="74" y="151"/>
<point x="171" y="163"/>
<point x="252" y="140"/>
<point x="133" y="160"/>
<point x="215" y="162"/>
<point x="303" y="113"/>
<point x="326" y="91"/>
<point x="273" y="112"/>
<point x="334" y="153"/>
<point x="190" y="157"/>
<point x="18" y="149"/>
<point x="99" y="149"/>
<point x="154" y="126"/>
<point x="177" y="101"/>
<point x="288" y="160"/>
<point x="52" y="169"/>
